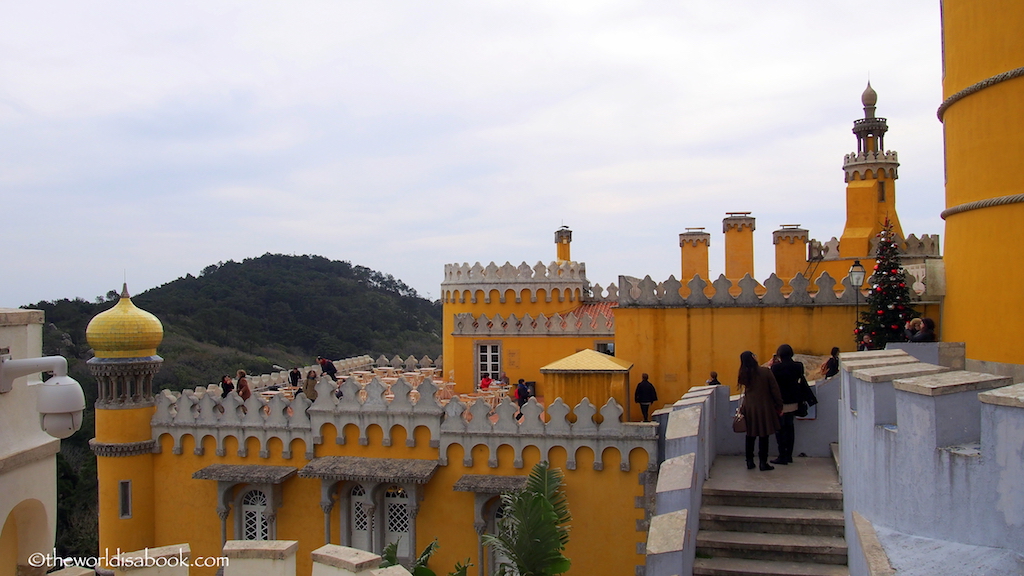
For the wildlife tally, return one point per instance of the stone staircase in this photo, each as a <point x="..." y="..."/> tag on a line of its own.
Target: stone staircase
<point x="784" y="522"/>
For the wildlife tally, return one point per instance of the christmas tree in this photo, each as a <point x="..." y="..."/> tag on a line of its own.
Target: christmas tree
<point x="888" y="302"/>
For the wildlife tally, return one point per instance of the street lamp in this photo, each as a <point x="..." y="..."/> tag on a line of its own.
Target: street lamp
<point x="856" y="274"/>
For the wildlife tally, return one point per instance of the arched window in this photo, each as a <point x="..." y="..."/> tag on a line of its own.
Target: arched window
<point x="494" y="511"/>
<point x="254" y="516"/>
<point x="361" y="518"/>
<point x="397" y="519"/>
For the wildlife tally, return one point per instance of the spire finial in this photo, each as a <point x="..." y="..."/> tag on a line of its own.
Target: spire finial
<point x="869" y="98"/>
<point x="124" y="291"/>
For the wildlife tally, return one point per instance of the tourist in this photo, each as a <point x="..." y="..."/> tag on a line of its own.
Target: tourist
<point x="789" y="375"/>
<point x="327" y="367"/>
<point x="242" y="386"/>
<point x="927" y="333"/>
<point x="645" y="395"/>
<point x="713" y="381"/>
<point x="505" y="381"/>
<point x="761" y="405"/>
<point x="522" y="397"/>
<point x="912" y="327"/>
<point x="294" y="376"/>
<point x="831" y="367"/>
<point x="226" y="386"/>
<point x="486" y="382"/>
<point x="309" y="385"/>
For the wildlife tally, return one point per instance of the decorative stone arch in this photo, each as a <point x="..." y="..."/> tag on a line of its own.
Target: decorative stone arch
<point x="234" y="481"/>
<point x="338" y="474"/>
<point x="486" y="490"/>
<point x="27" y="524"/>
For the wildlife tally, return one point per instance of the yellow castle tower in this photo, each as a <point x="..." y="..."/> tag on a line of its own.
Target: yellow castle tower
<point x="124" y="339"/>
<point x="693" y="249"/>
<point x="870" y="183"/>
<point x="982" y="116"/>
<point x="738" y="228"/>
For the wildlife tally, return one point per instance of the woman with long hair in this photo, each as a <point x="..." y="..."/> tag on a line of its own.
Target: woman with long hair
<point x="762" y="404"/>
<point x="242" y="386"/>
<point x="789" y="375"/>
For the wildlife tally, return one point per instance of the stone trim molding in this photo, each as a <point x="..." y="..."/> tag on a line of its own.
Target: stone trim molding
<point x="558" y="431"/>
<point x="28" y="456"/>
<point x="979" y="204"/>
<point x="637" y="293"/>
<point x="870" y="165"/>
<point x="562" y="278"/>
<point x="201" y="414"/>
<point x="118" y="450"/>
<point x="977" y="87"/>
<point x="557" y="325"/>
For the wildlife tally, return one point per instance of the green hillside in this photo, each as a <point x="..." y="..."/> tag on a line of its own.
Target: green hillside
<point x="274" y="309"/>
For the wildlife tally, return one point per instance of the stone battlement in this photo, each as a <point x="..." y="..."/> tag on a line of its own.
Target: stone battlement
<point x="202" y="412"/>
<point x="865" y="165"/>
<point x="565" y="279"/>
<point x="635" y="292"/>
<point x="556" y="325"/>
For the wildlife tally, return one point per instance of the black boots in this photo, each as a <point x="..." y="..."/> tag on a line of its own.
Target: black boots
<point x="762" y="453"/>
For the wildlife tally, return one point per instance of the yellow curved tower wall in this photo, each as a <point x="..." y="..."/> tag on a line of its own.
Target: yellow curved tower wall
<point x="122" y="426"/>
<point x="984" y="141"/>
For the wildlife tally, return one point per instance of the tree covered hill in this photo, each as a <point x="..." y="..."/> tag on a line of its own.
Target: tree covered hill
<point x="275" y="309"/>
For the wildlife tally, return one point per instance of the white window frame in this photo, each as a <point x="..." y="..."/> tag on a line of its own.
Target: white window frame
<point x="491" y="365"/>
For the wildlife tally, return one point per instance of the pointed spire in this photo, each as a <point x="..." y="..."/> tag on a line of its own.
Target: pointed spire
<point x="124" y="291"/>
<point x="869" y="98"/>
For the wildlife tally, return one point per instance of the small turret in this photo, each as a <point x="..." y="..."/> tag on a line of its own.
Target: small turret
<point x="563" y="237"/>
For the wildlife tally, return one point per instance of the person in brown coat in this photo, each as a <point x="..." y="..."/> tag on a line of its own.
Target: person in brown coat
<point x="762" y="404"/>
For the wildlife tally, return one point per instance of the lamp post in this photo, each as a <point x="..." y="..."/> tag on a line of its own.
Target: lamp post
<point x="856" y="274"/>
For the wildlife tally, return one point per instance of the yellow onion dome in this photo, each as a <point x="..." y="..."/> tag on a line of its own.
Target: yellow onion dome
<point x="124" y="331"/>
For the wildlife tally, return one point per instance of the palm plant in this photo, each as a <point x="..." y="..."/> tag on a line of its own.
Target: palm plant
<point x="534" y="529"/>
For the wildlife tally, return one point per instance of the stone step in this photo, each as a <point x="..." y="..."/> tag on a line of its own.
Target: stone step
<point x="778" y="547"/>
<point x="803" y="521"/>
<point x="767" y="498"/>
<point x="744" y="567"/>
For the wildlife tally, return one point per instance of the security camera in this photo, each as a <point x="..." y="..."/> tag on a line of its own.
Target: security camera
<point x="60" y="400"/>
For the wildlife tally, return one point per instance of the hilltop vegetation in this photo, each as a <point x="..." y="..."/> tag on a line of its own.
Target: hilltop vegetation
<point x="274" y="309"/>
<point x="249" y="315"/>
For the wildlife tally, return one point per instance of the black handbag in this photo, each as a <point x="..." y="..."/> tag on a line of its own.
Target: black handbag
<point x="809" y="398"/>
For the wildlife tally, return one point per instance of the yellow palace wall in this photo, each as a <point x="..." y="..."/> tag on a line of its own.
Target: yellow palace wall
<point x="679" y="347"/>
<point x="984" y="146"/>
<point x="604" y="533"/>
<point x="522" y="356"/>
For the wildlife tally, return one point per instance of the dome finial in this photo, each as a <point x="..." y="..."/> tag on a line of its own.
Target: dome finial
<point x="869" y="98"/>
<point x="124" y="291"/>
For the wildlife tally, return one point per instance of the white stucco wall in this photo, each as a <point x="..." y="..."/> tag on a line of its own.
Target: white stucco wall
<point x="27" y="454"/>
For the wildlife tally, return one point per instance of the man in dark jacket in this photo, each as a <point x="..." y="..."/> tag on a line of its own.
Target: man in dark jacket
<point x="327" y="367"/>
<point x="645" y="395"/>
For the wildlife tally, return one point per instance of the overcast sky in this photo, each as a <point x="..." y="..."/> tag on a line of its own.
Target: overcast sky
<point x="154" y="139"/>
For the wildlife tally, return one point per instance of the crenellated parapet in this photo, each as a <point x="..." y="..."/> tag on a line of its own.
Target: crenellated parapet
<point x="871" y="164"/>
<point x="598" y="294"/>
<point x="563" y="280"/>
<point x="637" y="293"/>
<point x="570" y="324"/>
<point x="926" y="245"/>
<point x="473" y="427"/>
<point x="203" y="413"/>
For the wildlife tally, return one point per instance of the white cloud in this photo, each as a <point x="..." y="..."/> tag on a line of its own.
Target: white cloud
<point x="403" y="135"/>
